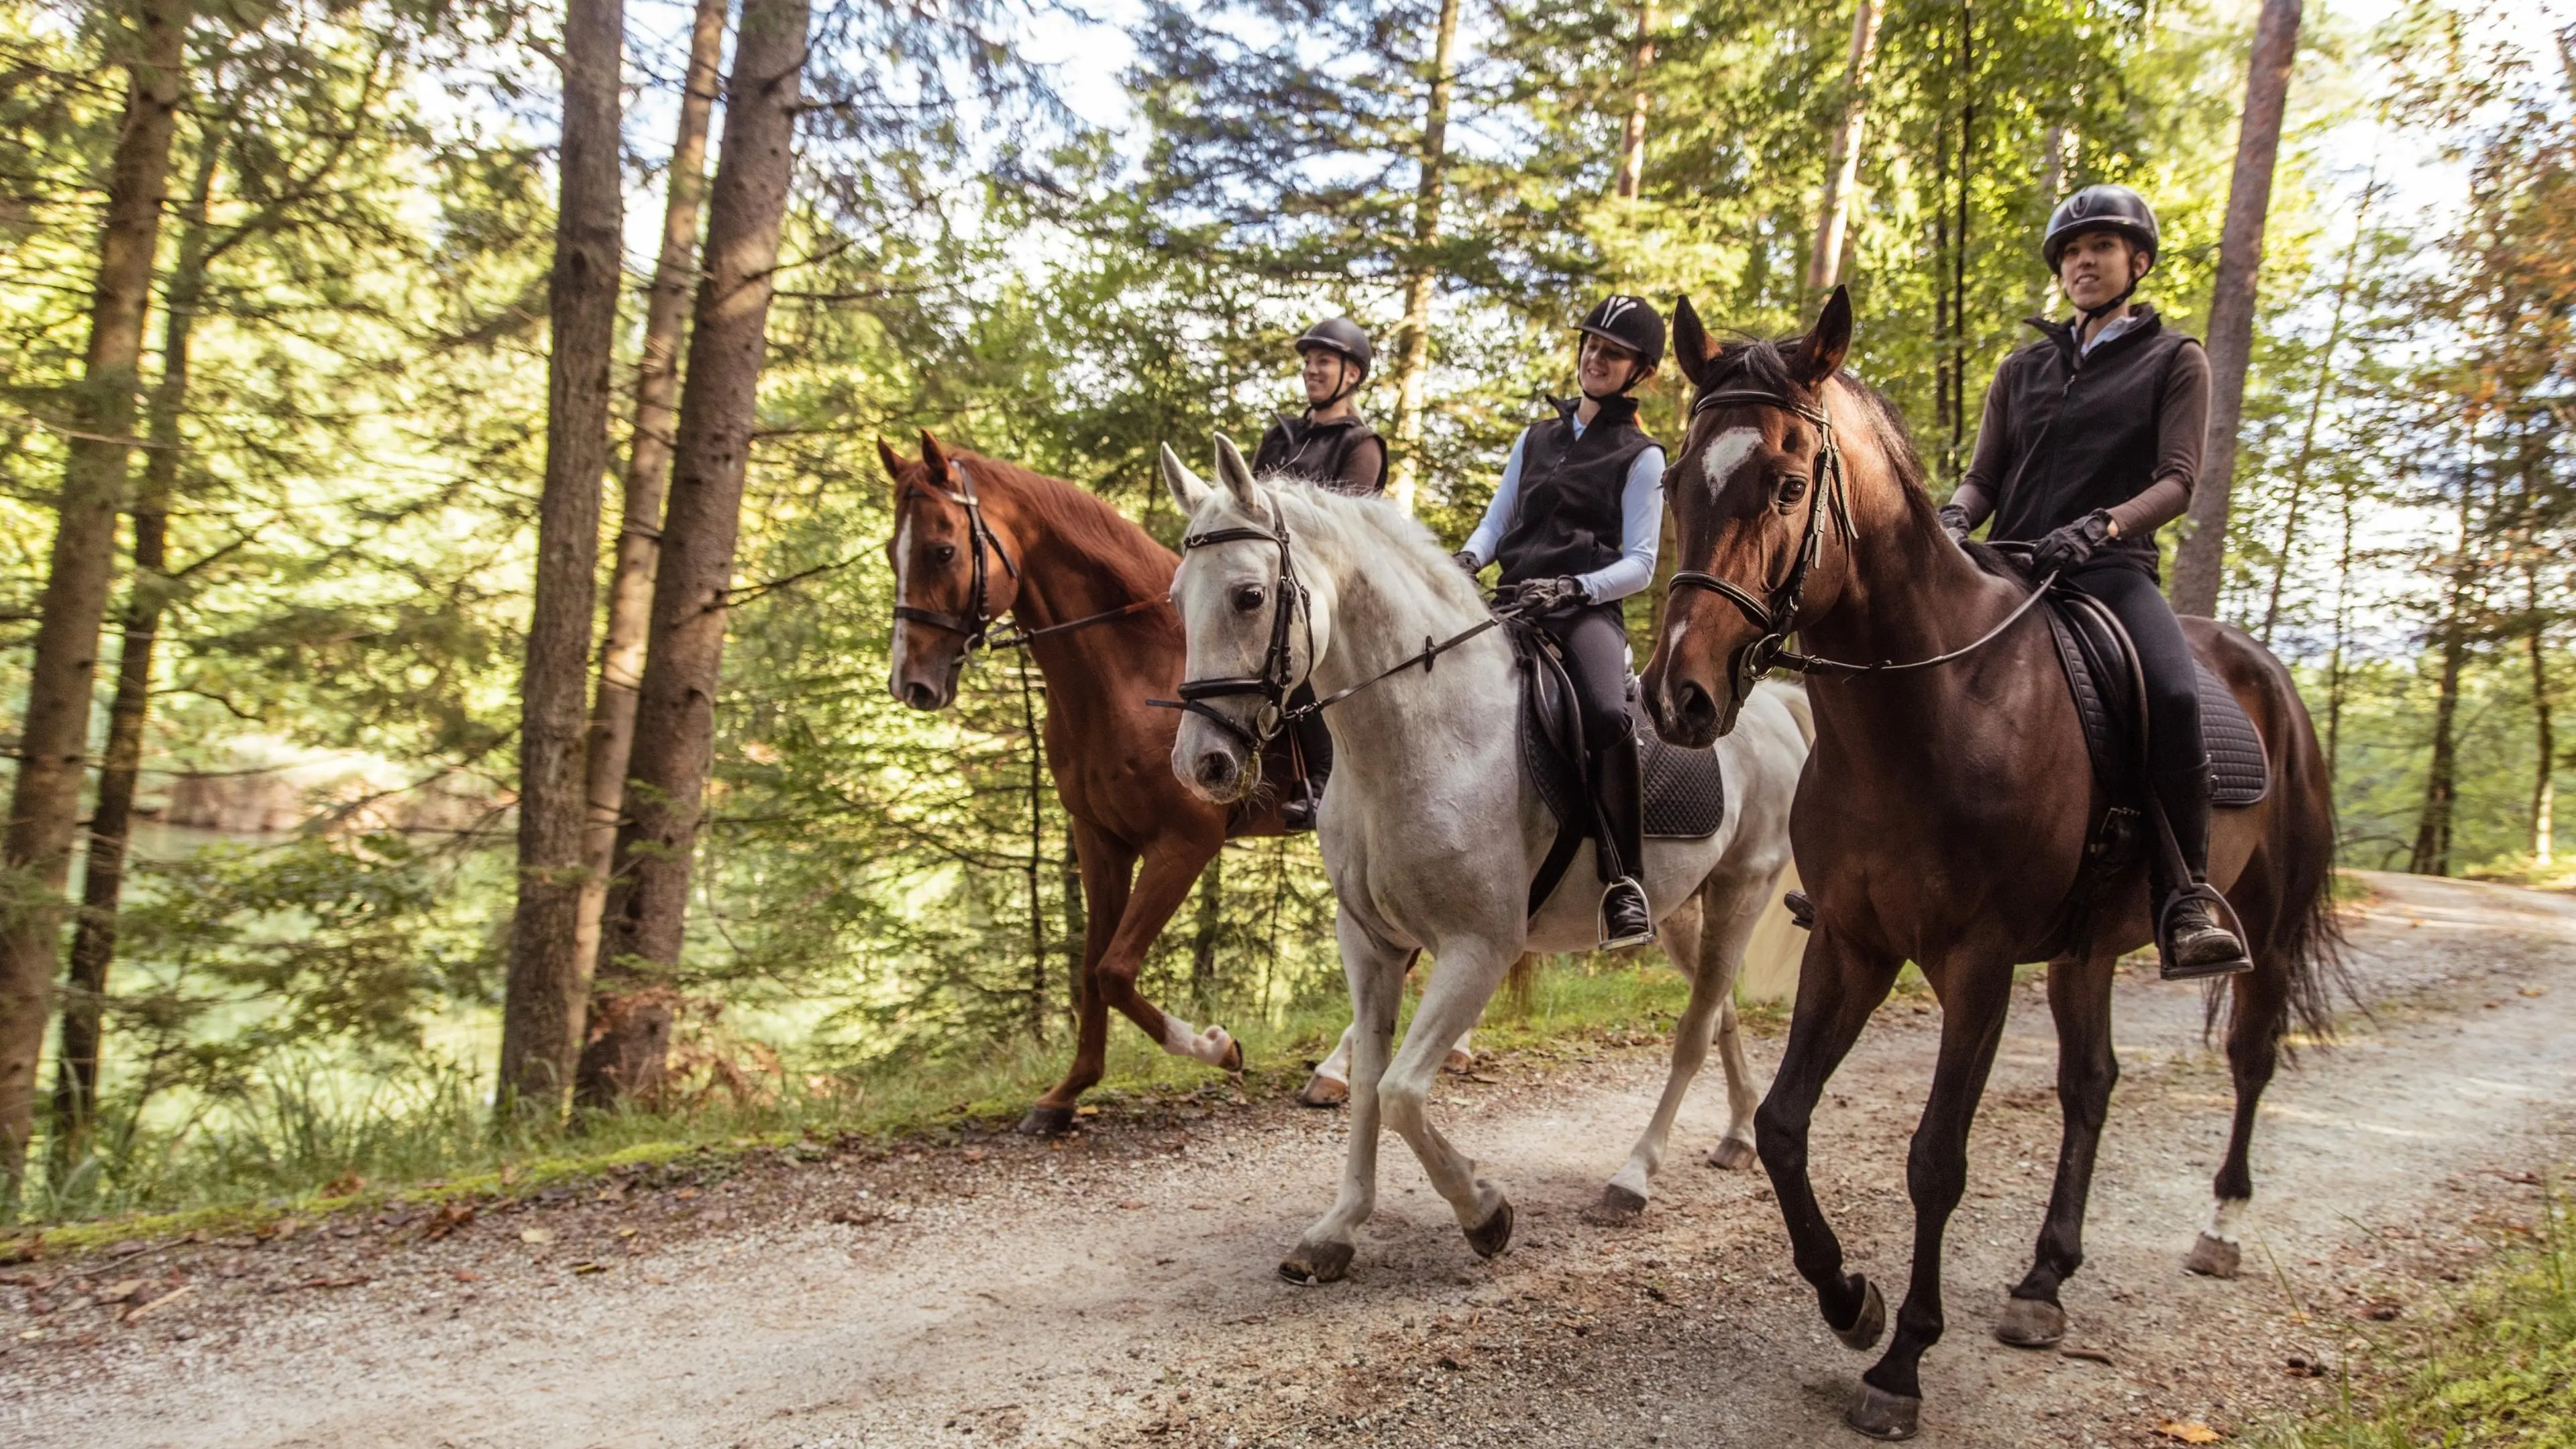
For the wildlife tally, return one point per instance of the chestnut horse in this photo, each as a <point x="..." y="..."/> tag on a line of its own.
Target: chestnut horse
<point x="1945" y="814"/>
<point x="1087" y="589"/>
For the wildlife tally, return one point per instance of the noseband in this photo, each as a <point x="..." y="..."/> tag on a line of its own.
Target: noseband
<point x="976" y="627"/>
<point x="1777" y="614"/>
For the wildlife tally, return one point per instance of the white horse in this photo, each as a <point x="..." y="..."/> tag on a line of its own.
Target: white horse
<point x="1430" y="832"/>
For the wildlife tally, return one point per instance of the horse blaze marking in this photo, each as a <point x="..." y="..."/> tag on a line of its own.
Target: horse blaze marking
<point x="1726" y="453"/>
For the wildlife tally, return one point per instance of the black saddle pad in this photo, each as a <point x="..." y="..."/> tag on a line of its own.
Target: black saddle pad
<point x="1685" y="789"/>
<point x="2094" y="653"/>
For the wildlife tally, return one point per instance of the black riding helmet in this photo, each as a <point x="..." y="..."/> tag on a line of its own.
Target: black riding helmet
<point x="1339" y="335"/>
<point x="1629" y="322"/>
<point x="2100" y="208"/>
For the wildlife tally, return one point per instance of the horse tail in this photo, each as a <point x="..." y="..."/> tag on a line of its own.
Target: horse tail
<point x="2306" y="933"/>
<point x="1775" y="949"/>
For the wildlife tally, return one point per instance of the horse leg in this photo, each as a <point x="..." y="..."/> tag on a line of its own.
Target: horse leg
<point x="1468" y="974"/>
<point x="1106" y="865"/>
<point x="1936" y="1177"/>
<point x="1170" y="870"/>
<point x="1330" y="1085"/>
<point x="1376" y="974"/>
<point x="1735" y="1149"/>
<point x="1687" y="943"/>
<point x="2261" y="1006"/>
<point x="1839" y="985"/>
<point x="2079" y="997"/>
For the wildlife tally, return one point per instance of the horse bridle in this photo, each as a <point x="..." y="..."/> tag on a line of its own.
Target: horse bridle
<point x="1776" y="615"/>
<point x="1273" y="684"/>
<point x="976" y="628"/>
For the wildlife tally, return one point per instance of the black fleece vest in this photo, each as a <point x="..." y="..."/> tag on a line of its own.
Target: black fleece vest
<point x="2084" y="429"/>
<point x="1569" y="518"/>
<point x="1319" y="452"/>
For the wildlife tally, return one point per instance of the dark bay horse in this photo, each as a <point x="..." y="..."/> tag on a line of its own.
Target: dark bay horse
<point x="1944" y="814"/>
<point x="1088" y="589"/>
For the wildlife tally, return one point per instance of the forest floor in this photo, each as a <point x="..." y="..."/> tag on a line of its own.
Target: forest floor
<point x="1118" y="1287"/>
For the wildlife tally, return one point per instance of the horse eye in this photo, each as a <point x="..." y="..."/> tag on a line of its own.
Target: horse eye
<point x="941" y="553"/>
<point x="1247" y="598"/>
<point x="1792" y="488"/>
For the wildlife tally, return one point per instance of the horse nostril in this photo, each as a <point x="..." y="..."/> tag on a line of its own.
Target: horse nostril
<point x="1215" y="768"/>
<point x="920" y="695"/>
<point x="1698" y="711"/>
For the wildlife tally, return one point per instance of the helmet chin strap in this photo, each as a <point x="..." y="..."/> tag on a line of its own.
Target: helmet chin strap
<point x="2091" y="315"/>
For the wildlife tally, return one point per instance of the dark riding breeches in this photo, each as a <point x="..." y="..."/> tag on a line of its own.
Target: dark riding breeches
<point x="2177" y="761"/>
<point x="1314" y="740"/>
<point x="1594" y="640"/>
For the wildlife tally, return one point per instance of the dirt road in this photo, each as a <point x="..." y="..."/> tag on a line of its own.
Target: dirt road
<point x="1119" y="1287"/>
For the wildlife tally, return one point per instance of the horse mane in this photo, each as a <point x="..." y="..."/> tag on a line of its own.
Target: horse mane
<point x="1089" y="525"/>
<point x="1383" y="531"/>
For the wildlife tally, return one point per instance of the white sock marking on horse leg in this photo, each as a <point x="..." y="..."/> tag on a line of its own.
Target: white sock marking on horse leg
<point x="2226" y="1217"/>
<point x="1337" y="1067"/>
<point x="1183" y="1040"/>
<point x="1462" y="1055"/>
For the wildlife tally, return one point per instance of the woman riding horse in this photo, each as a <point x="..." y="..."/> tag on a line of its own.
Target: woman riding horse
<point x="1574" y="523"/>
<point x="2091" y="442"/>
<point x="1334" y="446"/>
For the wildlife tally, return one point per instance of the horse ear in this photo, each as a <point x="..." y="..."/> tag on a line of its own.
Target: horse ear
<point x="1236" y="475"/>
<point x="935" y="458"/>
<point x="1186" y="489"/>
<point x="1693" y="348"/>
<point x="1821" y="352"/>
<point x="893" y="461"/>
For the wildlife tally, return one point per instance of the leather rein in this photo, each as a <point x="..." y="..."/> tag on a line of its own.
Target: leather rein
<point x="1777" y="614"/>
<point x="1275" y="683"/>
<point x="976" y="628"/>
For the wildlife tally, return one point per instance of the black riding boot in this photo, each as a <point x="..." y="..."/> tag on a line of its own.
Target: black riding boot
<point x="1305" y="799"/>
<point x="1619" y="800"/>
<point x="2198" y="941"/>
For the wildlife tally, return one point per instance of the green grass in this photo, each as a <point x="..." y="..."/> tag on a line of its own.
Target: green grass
<point x="2496" y="1367"/>
<point x="302" y="1146"/>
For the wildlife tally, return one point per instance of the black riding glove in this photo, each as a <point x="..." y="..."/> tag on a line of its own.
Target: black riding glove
<point x="2070" y="548"/>
<point x="1954" y="522"/>
<point x="1467" y="561"/>
<point x="1546" y="596"/>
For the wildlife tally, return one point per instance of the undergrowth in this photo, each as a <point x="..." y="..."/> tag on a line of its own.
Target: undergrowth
<point x="2497" y="1367"/>
<point x="302" y="1140"/>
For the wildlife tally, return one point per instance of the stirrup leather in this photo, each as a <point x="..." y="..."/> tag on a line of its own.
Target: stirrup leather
<point x="1602" y="916"/>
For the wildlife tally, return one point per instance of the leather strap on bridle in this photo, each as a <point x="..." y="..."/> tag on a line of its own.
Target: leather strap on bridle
<point x="977" y="626"/>
<point x="1776" y="615"/>
<point x="1273" y="683"/>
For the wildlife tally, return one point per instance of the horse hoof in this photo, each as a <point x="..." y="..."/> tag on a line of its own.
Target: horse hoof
<point x="1882" y="1415"/>
<point x="1864" y="1330"/>
<point x="1232" y="1063"/>
<point x="1458" y="1061"/>
<point x="2213" y="1258"/>
<point x="1493" y="1234"/>
<point x="2031" y="1323"/>
<point x="1617" y="1208"/>
<point x="1323" y="1092"/>
<point x="1045" y="1121"/>
<point x="1314" y="1263"/>
<point x="1732" y="1155"/>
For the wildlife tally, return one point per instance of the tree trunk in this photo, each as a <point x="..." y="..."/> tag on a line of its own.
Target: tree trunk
<point x="643" y="926"/>
<point x="2316" y="407"/>
<point x="1632" y="137"/>
<point x="111" y="820"/>
<point x="541" y="1015"/>
<point x="648" y="478"/>
<point x="1413" y="345"/>
<point x="1842" y="163"/>
<point x="2432" y="853"/>
<point x="2336" y="674"/>
<point x="2202" y="559"/>
<point x="1203" y="937"/>
<point x="53" y="746"/>
<point x="2544" y="784"/>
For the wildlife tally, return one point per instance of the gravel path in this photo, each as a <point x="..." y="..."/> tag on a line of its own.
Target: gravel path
<point x="1118" y="1287"/>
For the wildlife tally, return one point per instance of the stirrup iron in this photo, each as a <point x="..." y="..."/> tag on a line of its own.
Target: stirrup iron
<point x="2170" y="969"/>
<point x="1601" y="915"/>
